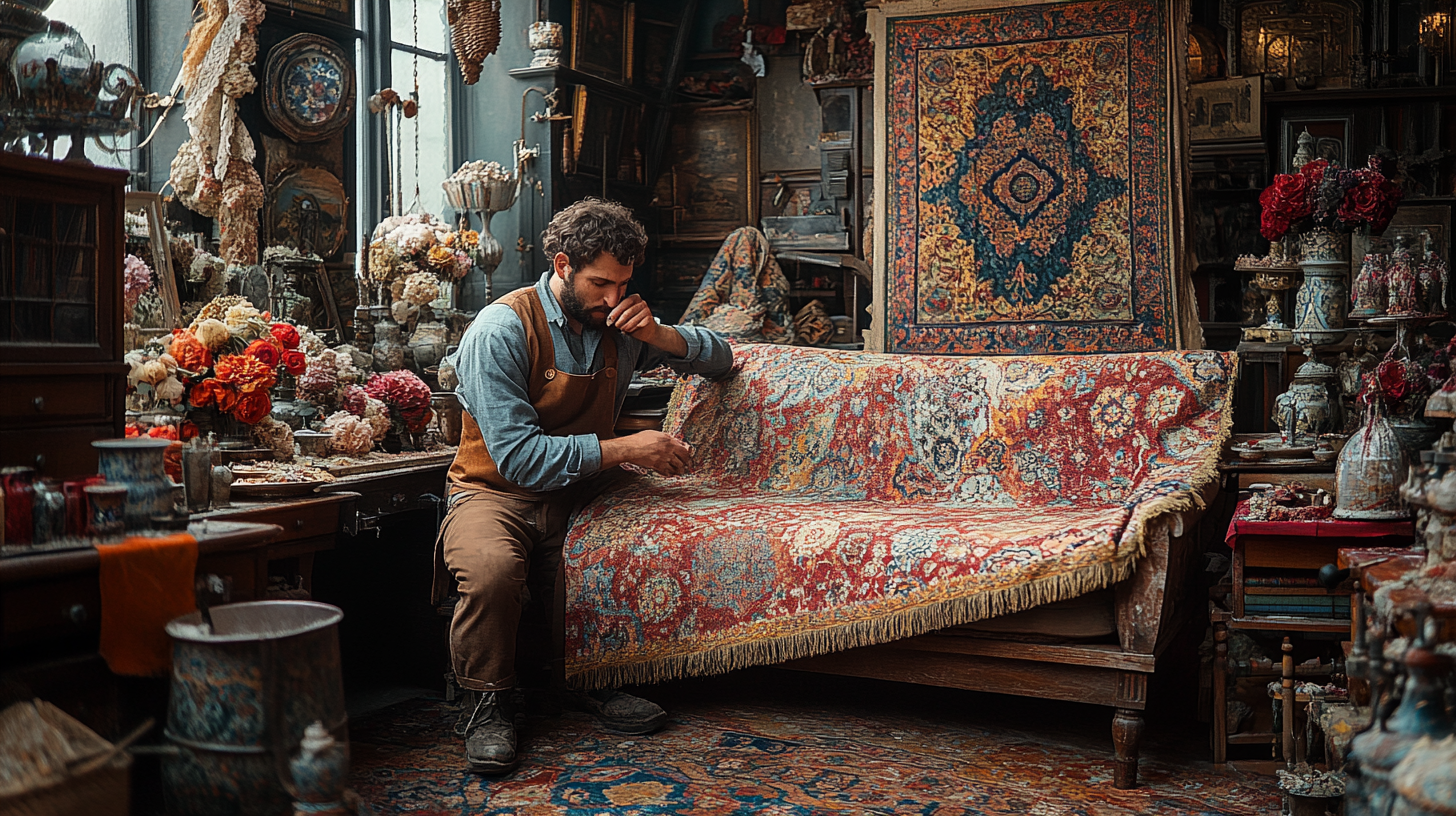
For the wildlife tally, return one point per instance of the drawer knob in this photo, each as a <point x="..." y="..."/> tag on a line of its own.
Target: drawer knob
<point x="40" y="461"/>
<point x="76" y="614"/>
<point x="39" y="403"/>
<point x="298" y="524"/>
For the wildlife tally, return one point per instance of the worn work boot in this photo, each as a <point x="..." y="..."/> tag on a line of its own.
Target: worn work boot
<point x="490" y="732"/>
<point x="618" y="712"/>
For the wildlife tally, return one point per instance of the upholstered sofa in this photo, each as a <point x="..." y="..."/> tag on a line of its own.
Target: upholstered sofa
<point x="852" y="513"/>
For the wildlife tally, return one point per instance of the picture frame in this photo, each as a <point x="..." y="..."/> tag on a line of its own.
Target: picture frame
<point x="605" y="128"/>
<point x="1226" y="110"/>
<point x="337" y="11"/>
<point x="653" y="45"/>
<point x="709" y="186"/>
<point x="308" y="88"/>
<point x="308" y="210"/>
<point x="601" y="38"/>
<point x="1332" y="133"/>
<point x="152" y="207"/>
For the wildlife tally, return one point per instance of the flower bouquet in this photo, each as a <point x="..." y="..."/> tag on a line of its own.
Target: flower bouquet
<point x="1324" y="194"/>
<point x="406" y="396"/>
<point x="403" y="245"/>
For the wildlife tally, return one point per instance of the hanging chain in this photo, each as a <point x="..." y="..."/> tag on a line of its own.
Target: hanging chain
<point x="416" y="9"/>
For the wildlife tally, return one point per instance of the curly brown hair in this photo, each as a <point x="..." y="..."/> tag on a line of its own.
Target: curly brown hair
<point x="590" y="227"/>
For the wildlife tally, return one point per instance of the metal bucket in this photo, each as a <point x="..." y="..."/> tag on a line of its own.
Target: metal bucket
<point x="242" y="695"/>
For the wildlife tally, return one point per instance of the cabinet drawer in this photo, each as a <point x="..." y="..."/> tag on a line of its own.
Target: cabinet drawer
<point x="61" y="452"/>
<point x="49" y="610"/>
<point x="305" y="521"/>
<point x="32" y="400"/>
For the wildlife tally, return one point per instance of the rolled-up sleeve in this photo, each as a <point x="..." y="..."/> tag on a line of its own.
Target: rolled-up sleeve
<point x="493" y="370"/>
<point x="708" y="354"/>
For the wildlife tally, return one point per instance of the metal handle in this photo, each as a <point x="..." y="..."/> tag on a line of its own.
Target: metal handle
<point x="40" y="461"/>
<point x="39" y="403"/>
<point x="77" y="614"/>
<point x="298" y="524"/>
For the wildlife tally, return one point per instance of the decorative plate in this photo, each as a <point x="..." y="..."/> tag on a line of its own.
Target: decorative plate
<point x="275" y="490"/>
<point x="309" y="88"/>
<point x="309" y="211"/>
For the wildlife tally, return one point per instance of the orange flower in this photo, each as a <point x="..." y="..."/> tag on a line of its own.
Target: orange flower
<point x="163" y="432"/>
<point x="264" y="351"/>
<point x="294" y="362"/>
<point x="285" y="334"/>
<point x="247" y="373"/>
<point x="213" y="391"/>
<point x="189" y="352"/>
<point x="441" y="258"/>
<point x="252" y="407"/>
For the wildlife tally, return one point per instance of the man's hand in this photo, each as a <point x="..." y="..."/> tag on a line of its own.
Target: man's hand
<point x="654" y="450"/>
<point x="633" y="317"/>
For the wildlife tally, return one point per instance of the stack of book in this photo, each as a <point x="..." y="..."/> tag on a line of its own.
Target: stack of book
<point x="1335" y="607"/>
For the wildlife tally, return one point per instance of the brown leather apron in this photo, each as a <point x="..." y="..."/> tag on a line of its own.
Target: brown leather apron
<point x="566" y="404"/>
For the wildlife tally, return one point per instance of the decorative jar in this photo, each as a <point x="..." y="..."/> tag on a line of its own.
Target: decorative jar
<point x="137" y="464"/>
<point x="1369" y="471"/>
<point x="545" y="39"/>
<point x="1319" y="304"/>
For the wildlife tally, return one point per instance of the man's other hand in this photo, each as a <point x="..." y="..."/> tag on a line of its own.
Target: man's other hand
<point x="653" y="450"/>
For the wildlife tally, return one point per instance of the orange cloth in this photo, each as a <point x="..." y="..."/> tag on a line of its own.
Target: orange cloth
<point x="145" y="582"/>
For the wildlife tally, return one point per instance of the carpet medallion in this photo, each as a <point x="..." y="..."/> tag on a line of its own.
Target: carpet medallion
<point x="774" y="758"/>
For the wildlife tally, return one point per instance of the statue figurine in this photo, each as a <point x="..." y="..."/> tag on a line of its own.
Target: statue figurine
<point x="1369" y="293"/>
<point x="222" y="486"/>
<point x="1434" y="275"/>
<point x="1404" y="281"/>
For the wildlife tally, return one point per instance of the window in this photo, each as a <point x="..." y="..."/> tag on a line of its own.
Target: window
<point x="108" y="27"/>
<point x="403" y="36"/>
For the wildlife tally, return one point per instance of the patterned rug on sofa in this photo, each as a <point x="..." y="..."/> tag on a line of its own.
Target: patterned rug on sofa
<point x="777" y="757"/>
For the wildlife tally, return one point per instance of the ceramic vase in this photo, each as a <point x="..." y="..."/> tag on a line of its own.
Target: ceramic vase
<point x="1319" y="305"/>
<point x="319" y="771"/>
<point x="137" y="463"/>
<point x="1376" y="752"/>
<point x="1369" y="471"/>
<point x="1305" y="411"/>
<point x="388" y="348"/>
<point x="545" y="40"/>
<point x="108" y="508"/>
<point x="49" y="511"/>
<point x="1369" y="292"/>
<point x="428" y="343"/>
<point x="450" y="412"/>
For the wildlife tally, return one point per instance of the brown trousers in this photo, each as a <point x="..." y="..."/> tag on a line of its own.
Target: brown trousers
<point x="504" y="552"/>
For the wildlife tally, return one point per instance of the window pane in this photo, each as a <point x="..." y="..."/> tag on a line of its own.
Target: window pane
<point x="106" y="26"/>
<point x="433" y="29"/>
<point x="433" y="127"/>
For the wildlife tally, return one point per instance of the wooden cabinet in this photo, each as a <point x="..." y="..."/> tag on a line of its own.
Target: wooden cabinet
<point x="61" y="374"/>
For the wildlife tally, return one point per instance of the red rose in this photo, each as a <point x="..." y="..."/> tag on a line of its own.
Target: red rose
<point x="1315" y="170"/>
<point x="294" y="362"/>
<point x="1390" y="378"/>
<point x="1284" y="202"/>
<point x="264" y="352"/>
<point x="251" y="408"/>
<point x="1371" y="201"/>
<point x="286" y="334"/>
<point x="213" y="391"/>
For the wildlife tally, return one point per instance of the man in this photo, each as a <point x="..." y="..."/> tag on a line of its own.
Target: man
<point x="543" y="372"/>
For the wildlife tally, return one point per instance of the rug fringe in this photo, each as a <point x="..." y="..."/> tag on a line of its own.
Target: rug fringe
<point x="916" y="621"/>
<point x="883" y="629"/>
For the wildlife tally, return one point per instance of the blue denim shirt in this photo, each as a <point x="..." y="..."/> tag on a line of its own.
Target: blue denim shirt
<point x="493" y="368"/>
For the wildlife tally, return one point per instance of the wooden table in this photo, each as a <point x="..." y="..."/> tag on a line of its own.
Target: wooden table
<point x="307" y="525"/>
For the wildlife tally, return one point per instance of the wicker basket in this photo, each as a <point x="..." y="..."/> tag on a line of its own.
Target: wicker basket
<point x="52" y="765"/>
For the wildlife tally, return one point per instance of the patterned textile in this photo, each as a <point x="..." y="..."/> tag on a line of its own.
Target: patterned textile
<point x="1030" y="180"/>
<point x="840" y="499"/>
<point x="793" y="755"/>
<point x="744" y="295"/>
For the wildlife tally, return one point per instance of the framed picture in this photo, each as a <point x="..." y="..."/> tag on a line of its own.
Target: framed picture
<point x="605" y="132"/>
<point x="339" y="11"/>
<point x="1226" y="110"/>
<point x="601" y="38"/>
<point x="308" y="90"/>
<point x="1332" y="134"/>
<point x="151" y="207"/>
<point x="309" y="211"/>
<point x="1409" y="221"/>
<point x="709" y="187"/>
<point x="653" y="45"/>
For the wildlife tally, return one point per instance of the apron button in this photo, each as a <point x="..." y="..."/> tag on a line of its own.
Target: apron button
<point x="550" y="373"/>
<point x="611" y="373"/>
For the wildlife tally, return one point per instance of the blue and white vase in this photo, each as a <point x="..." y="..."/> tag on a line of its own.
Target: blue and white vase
<point x="137" y="463"/>
<point x="1319" y="305"/>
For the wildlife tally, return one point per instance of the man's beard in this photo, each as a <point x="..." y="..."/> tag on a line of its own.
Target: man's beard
<point x="576" y="309"/>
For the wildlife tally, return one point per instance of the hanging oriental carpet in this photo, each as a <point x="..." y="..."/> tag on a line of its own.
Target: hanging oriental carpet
<point x="1030" y="189"/>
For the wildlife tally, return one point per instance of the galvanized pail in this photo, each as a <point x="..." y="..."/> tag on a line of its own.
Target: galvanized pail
<point x="242" y="695"/>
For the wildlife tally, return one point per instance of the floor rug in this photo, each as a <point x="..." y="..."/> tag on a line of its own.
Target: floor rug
<point x="768" y="752"/>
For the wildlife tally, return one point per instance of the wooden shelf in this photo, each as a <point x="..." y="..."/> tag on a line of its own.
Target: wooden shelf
<point x="1252" y="738"/>
<point x="1374" y="95"/>
<point x="1274" y="590"/>
<point x="813" y="293"/>
<point x="1316" y="625"/>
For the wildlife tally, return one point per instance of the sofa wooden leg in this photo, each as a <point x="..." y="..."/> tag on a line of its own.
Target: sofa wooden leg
<point x="1127" y="733"/>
